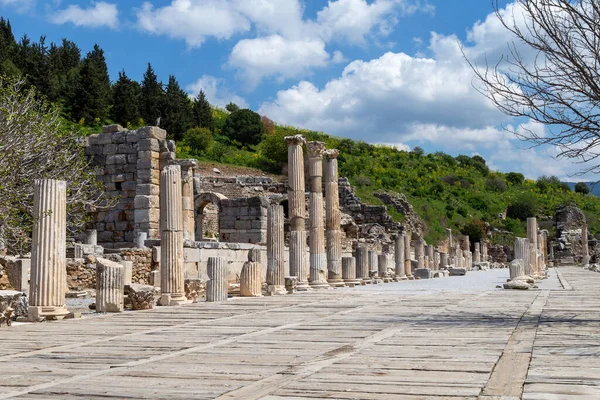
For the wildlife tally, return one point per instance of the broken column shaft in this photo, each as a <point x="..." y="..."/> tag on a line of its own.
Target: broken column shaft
<point x="332" y="219"/>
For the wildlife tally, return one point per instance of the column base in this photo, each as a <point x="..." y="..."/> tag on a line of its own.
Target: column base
<point x="336" y="282"/>
<point x="410" y="277"/>
<point x="400" y="278"/>
<point x="319" y="285"/>
<point x="303" y="287"/>
<point x="276" y="290"/>
<point x="173" y="299"/>
<point x="367" y="281"/>
<point x="352" y="282"/>
<point x="50" y="313"/>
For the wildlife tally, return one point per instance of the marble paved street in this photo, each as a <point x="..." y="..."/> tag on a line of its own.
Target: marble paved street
<point x="451" y="338"/>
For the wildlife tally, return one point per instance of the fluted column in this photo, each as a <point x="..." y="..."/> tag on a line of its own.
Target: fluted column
<point x="400" y="272"/>
<point x="443" y="260"/>
<point x="48" y="282"/>
<point x="477" y="254"/>
<point x="332" y="219"/>
<point x="429" y="253"/>
<point x="362" y="263"/>
<point x="450" y="242"/>
<point x="110" y="285"/>
<point x="275" y="250"/>
<point x="532" y="237"/>
<point x="187" y="194"/>
<point x="522" y="253"/>
<point x="373" y="263"/>
<point x="407" y="259"/>
<point x="316" y="236"/>
<point x="250" y="276"/>
<point x="171" y="238"/>
<point x="216" y="287"/>
<point x="420" y="253"/>
<point x="584" y="245"/>
<point x="297" y="210"/>
<point x="349" y="271"/>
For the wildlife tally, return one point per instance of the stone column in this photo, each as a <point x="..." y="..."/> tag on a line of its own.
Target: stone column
<point x="400" y="272"/>
<point x="522" y="253"/>
<point x="171" y="238"/>
<point x="429" y="253"/>
<point x="110" y="284"/>
<point x="382" y="266"/>
<point x="484" y="252"/>
<point x="48" y="283"/>
<point x="316" y="236"/>
<point x="450" y="241"/>
<point x="477" y="254"/>
<point x="373" y="262"/>
<point x="332" y="219"/>
<point x="275" y="251"/>
<point x="436" y="261"/>
<point x="362" y="263"/>
<point x="458" y="256"/>
<point x="420" y="253"/>
<point x="585" y="252"/>
<point x="297" y="210"/>
<point x="443" y="260"/>
<point x="532" y="237"/>
<point x="407" y="259"/>
<point x="251" y="276"/>
<point x="349" y="271"/>
<point x="466" y="243"/>
<point x="187" y="193"/>
<point x="216" y="287"/>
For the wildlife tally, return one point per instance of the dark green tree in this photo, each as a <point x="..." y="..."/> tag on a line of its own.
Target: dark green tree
<point x="176" y="116"/>
<point x="198" y="139"/>
<point x="232" y="107"/>
<point x="202" y="111"/>
<point x="151" y="99"/>
<point x="64" y="68"/>
<point x="126" y="99"/>
<point x="8" y="49"/>
<point x="582" y="187"/>
<point x="244" y="126"/>
<point x="515" y="178"/>
<point x="93" y="93"/>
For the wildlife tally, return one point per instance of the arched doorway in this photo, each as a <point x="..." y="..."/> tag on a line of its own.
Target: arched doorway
<point x="207" y="206"/>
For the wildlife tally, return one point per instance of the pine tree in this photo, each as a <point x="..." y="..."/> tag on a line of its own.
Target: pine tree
<point x="8" y="49"/>
<point x="93" y="93"/>
<point x="152" y="97"/>
<point x="64" y="67"/>
<point x="177" y="110"/>
<point x="126" y="98"/>
<point x="202" y="111"/>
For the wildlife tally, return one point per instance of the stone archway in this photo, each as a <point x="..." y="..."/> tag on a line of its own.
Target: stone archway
<point x="211" y="202"/>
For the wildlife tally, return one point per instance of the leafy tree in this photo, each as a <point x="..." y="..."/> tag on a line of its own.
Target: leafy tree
<point x="475" y="229"/>
<point x="152" y="96"/>
<point x="176" y="110"/>
<point x="126" y="99"/>
<point x="268" y="125"/>
<point x="274" y="147"/>
<point x="232" y="107"/>
<point x="36" y="145"/>
<point x="244" y="126"/>
<point x="515" y="178"/>
<point x="64" y="69"/>
<point x="8" y="49"/>
<point x="523" y="207"/>
<point x="199" y="139"/>
<point x="202" y="111"/>
<point x="93" y="94"/>
<point x="582" y="187"/>
<point x="496" y="184"/>
<point x="557" y="85"/>
<point x="418" y="151"/>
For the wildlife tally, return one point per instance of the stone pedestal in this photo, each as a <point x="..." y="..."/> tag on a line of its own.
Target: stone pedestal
<point x="250" y="277"/>
<point x="516" y="268"/>
<point x="171" y="239"/>
<point x="316" y="237"/>
<point x="362" y="264"/>
<point x="216" y="287"/>
<point x="48" y="283"/>
<point x="297" y="210"/>
<point x="275" y="251"/>
<point x="407" y="259"/>
<point x="349" y="271"/>
<point x="110" y="285"/>
<point x="332" y="219"/>
<point x="400" y="273"/>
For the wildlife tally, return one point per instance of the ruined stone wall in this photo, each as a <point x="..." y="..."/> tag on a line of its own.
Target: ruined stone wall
<point x="128" y="164"/>
<point x="143" y="264"/>
<point x="243" y="220"/>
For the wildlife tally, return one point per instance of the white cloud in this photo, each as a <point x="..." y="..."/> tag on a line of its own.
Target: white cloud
<point x="214" y="91"/>
<point x="98" y="15"/>
<point x="21" y="6"/>
<point x="276" y="56"/>
<point x="193" y="21"/>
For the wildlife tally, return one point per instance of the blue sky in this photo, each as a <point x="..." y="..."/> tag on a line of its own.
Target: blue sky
<point x="384" y="71"/>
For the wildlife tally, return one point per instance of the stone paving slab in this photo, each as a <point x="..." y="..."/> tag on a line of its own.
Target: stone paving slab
<point x="452" y="338"/>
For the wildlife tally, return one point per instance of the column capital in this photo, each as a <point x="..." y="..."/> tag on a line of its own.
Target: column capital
<point x="295" y="140"/>
<point x="332" y="153"/>
<point x="315" y="149"/>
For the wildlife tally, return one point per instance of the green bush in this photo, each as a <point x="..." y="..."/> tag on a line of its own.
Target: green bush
<point x="495" y="184"/>
<point x="523" y="207"/>
<point x="244" y="126"/>
<point x="515" y="178"/>
<point x="582" y="187"/>
<point x="198" y="139"/>
<point x="475" y="229"/>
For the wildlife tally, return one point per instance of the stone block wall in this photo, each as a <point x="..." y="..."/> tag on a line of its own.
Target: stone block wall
<point x="243" y="220"/>
<point x="143" y="264"/>
<point x="128" y="164"/>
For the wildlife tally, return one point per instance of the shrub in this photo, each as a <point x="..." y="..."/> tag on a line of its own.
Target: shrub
<point x="523" y="207"/>
<point x="515" y="178"/>
<point x="475" y="229"/>
<point x="244" y="126"/>
<point x="495" y="184"/>
<point x="582" y="187"/>
<point x="199" y="139"/>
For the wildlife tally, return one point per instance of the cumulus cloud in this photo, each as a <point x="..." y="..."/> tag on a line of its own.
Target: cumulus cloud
<point x="21" y="6"/>
<point x="215" y="92"/>
<point x="276" y="56"/>
<point x="97" y="15"/>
